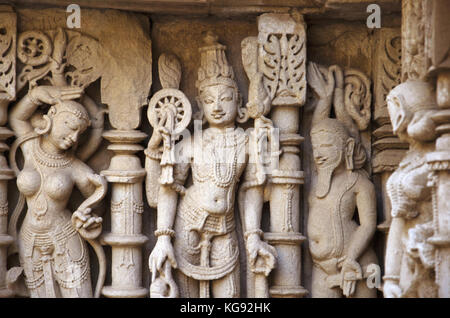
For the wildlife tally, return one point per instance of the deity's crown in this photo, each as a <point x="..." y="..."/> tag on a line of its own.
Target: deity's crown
<point x="214" y="68"/>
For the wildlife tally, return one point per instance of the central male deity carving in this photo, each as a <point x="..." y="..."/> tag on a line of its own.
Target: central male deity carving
<point x="196" y="232"/>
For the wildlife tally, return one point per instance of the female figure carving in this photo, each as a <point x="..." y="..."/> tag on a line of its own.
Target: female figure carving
<point x="52" y="251"/>
<point x="409" y="265"/>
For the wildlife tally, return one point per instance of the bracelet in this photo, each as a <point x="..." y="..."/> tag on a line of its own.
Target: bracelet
<point x="153" y="154"/>
<point x="168" y="232"/>
<point x="248" y="233"/>
<point x="391" y="277"/>
<point x="33" y="100"/>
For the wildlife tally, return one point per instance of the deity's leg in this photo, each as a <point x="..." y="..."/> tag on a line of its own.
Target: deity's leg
<point x="227" y="286"/>
<point x="188" y="287"/>
<point x="320" y="287"/>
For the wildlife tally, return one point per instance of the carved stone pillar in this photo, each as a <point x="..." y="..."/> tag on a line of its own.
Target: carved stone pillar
<point x="7" y="93"/>
<point x="439" y="161"/>
<point x="286" y="36"/>
<point x="126" y="175"/>
<point x="388" y="149"/>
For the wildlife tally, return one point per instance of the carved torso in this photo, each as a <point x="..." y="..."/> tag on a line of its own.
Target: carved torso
<point x="47" y="183"/>
<point x="205" y="242"/>
<point x="330" y="223"/>
<point x="216" y="176"/>
<point x="408" y="191"/>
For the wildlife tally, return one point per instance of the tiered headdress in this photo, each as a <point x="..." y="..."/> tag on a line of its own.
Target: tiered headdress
<point x="214" y="68"/>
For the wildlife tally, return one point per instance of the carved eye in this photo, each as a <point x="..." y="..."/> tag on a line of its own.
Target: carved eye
<point x="227" y="99"/>
<point x="208" y="101"/>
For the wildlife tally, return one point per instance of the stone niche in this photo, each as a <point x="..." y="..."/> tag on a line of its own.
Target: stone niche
<point x="123" y="55"/>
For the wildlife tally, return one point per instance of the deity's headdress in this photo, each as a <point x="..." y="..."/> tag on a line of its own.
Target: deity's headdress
<point x="414" y="95"/>
<point x="71" y="107"/>
<point x="214" y="67"/>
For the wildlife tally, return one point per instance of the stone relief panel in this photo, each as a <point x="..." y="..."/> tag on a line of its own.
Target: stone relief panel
<point x="237" y="203"/>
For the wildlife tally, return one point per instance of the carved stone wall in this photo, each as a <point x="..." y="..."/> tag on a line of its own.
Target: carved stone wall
<point x="305" y="217"/>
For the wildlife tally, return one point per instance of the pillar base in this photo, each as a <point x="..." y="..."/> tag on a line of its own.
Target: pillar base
<point x="118" y="292"/>
<point x="288" y="292"/>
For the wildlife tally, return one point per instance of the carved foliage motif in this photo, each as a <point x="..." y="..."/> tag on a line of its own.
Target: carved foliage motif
<point x="7" y="56"/>
<point x="415" y="33"/>
<point x="77" y="57"/>
<point x="282" y="61"/>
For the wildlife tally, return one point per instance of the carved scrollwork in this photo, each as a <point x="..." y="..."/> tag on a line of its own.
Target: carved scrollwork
<point x="76" y="56"/>
<point x="357" y="97"/>
<point x="34" y="48"/>
<point x="7" y="62"/>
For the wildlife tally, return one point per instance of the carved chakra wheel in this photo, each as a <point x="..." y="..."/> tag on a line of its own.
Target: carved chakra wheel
<point x="170" y="107"/>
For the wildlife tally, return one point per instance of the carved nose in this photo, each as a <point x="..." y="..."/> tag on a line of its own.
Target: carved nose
<point x="217" y="108"/>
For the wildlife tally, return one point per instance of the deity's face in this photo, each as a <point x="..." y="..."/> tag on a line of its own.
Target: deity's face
<point x="328" y="152"/>
<point x="66" y="129"/>
<point x="219" y="105"/>
<point x="399" y="117"/>
<point x="327" y="149"/>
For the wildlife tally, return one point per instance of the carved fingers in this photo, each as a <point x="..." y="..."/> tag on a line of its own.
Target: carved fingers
<point x="351" y="272"/>
<point x="82" y="219"/>
<point x="323" y="88"/>
<point x="162" y="252"/>
<point x="262" y="256"/>
<point x="338" y="75"/>
<point x="52" y="94"/>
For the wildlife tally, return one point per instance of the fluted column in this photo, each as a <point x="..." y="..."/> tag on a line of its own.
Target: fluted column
<point x="125" y="174"/>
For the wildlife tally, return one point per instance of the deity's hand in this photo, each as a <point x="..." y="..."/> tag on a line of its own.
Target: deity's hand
<point x="163" y="251"/>
<point x="338" y="75"/>
<point x="391" y="289"/>
<point x="159" y="134"/>
<point x="323" y="88"/>
<point x="258" y="250"/>
<point x="82" y="219"/>
<point x="52" y="94"/>
<point x="351" y="272"/>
